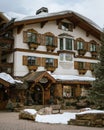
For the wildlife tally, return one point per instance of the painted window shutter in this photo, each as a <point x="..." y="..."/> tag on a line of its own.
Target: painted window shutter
<point x="75" y="65"/>
<point x="39" y="38"/>
<point x="25" y="61"/>
<point x="25" y="38"/>
<point x="55" y="62"/>
<point x="43" y="61"/>
<point x="38" y="61"/>
<point x="75" y="44"/>
<point x="42" y="39"/>
<point x="59" y="25"/>
<point x="87" y="65"/>
<point x="55" y="41"/>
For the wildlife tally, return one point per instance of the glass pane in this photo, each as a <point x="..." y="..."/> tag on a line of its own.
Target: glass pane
<point x="68" y="43"/>
<point x="61" y="57"/>
<point x="92" y="47"/>
<point x="80" y="45"/>
<point x="49" y="62"/>
<point x="31" y="37"/>
<point x="49" y="40"/>
<point x="68" y="57"/>
<point x="31" y="60"/>
<point x="81" y="65"/>
<point x="65" y="26"/>
<point x="61" y="44"/>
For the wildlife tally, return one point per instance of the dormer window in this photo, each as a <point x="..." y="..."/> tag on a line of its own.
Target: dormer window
<point x="66" y="26"/>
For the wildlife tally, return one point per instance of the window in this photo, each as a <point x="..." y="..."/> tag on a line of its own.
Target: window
<point x="81" y="65"/>
<point x="68" y="57"/>
<point x="65" y="43"/>
<point x="49" y="40"/>
<point x="61" y="57"/>
<point x="65" y="57"/>
<point x="68" y="91"/>
<point x="49" y="62"/>
<point x="92" y="47"/>
<point x="66" y="26"/>
<point x="80" y="45"/>
<point x="31" y="60"/>
<point x="61" y="44"/>
<point x="31" y="37"/>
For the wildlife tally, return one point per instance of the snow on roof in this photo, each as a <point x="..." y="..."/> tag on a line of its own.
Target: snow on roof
<point x="11" y="15"/>
<point x="8" y="78"/>
<point x="61" y="13"/>
<point x="72" y="78"/>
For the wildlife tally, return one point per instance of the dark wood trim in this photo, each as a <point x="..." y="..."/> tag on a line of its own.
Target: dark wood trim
<point x="85" y="57"/>
<point x="35" y="51"/>
<point x="74" y="82"/>
<point x="5" y="83"/>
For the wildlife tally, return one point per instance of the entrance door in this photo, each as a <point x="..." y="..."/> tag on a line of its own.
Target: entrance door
<point x="37" y="95"/>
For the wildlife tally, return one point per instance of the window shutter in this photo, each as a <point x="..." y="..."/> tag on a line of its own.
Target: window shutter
<point x="59" y="25"/>
<point x="75" y="44"/>
<point x="87" y="65"/>
<point x="25" y="38"/>
<point x="38" y="61"/>
<point x="70" y="27"/>
<point x="86" y="46"/>
<point x="39" y="38"/>
<point x="42" y="39"/>
<point x="89" y="45"/>
<point x="43" y="61"/>
<point x="55" y="62"/>
<point x="75" y="65"/>
<point x="25" y="61"/>
<point x="55" y="41"/>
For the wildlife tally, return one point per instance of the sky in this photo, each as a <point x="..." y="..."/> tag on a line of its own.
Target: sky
<point x="93" y="9"/>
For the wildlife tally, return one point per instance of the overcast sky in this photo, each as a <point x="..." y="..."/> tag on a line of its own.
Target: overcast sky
<point x="93" y="9"/>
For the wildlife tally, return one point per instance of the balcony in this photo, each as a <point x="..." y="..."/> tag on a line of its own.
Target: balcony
<point x="81" y="52"/>
<point x="33" y="45"/>
<point x="82" y="71"/>
<point x="32" y="67"/>
<point x="50" y="47"/>
<point x="50" y="68"/>
<point x="94" y="54"/>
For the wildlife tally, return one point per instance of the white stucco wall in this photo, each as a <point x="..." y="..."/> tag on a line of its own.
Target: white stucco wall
<point x="63" y="68"/>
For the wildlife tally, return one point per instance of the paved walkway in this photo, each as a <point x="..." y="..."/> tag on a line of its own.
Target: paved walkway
<point x="10" y="121"/>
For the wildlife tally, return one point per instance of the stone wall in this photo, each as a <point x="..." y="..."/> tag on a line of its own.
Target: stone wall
<point x="88" y="119"/>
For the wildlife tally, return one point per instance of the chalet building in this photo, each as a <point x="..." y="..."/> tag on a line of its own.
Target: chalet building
<point x="53" y="53"/>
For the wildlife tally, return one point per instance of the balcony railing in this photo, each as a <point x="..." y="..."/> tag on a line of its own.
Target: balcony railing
<point x="50" y="68"/>
<point x="81" y="52"/>
<point x="33" y="45"/>
<point x="50" y="47"/>
<point x="82" y="71"/>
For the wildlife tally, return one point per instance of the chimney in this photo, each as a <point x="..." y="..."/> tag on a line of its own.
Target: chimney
<point x="42" y="10"/>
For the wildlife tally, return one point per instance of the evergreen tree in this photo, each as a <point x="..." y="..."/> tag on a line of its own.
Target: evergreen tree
<point x="96" y="93"/>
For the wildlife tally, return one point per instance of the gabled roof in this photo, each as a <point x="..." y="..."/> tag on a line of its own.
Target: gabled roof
<point x="37" y="76"/>
<point x="77" y="19"/>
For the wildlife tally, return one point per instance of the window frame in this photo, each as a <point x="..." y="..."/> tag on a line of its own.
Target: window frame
<point x="63" y="46"/>
<point x="32" y="36"/>
<point x="48" y="41"/>
<point x="49" y="62"/>
<point x="31" y="61"/>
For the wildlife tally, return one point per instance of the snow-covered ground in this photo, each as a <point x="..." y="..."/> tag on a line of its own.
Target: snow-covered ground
<point x="59" y="118"/>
